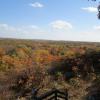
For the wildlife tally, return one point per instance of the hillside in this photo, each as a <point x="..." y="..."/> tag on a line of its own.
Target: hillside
<point x="27" y="64"/>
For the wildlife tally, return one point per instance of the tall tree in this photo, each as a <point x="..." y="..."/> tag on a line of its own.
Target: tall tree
<point x="98" y="15"/>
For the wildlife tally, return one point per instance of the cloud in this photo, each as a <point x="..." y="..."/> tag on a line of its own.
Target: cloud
<point x="60" y="24"/>
<point x="90" y="9"/>
<point x="8" y="29"/>
<point x="34" y="26"/>
<point x="36" y="5"/>
<point x="96" y="27"/>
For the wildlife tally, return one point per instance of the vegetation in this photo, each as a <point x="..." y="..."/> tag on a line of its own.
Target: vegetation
<point x="28" y="64"/>
<point x="97" y="8"/>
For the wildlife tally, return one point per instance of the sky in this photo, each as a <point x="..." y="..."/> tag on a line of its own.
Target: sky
<point x="69" y="20"/>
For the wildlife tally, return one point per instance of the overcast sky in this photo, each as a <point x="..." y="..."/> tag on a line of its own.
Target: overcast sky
<point x="74" y="20"/>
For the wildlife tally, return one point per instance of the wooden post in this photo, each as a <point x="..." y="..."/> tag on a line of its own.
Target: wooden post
<point x="34" y="94"/>
<point x="66" y="95"/>
<point x="55" y="95"/>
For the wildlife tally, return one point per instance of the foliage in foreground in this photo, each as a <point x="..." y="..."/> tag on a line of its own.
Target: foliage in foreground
<point x="28" y="64"/>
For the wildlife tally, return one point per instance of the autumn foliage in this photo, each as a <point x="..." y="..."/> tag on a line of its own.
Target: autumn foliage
<point x="25" y="64"/>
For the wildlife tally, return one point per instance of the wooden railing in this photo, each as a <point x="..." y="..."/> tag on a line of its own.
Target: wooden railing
<point x="54" y="94"/>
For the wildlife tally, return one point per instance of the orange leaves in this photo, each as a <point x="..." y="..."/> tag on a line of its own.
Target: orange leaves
<point x="2" y="52"/>
<point x="41" y="56"/>
<point x="44" y="57"/>
<point x="7" y="59"/>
